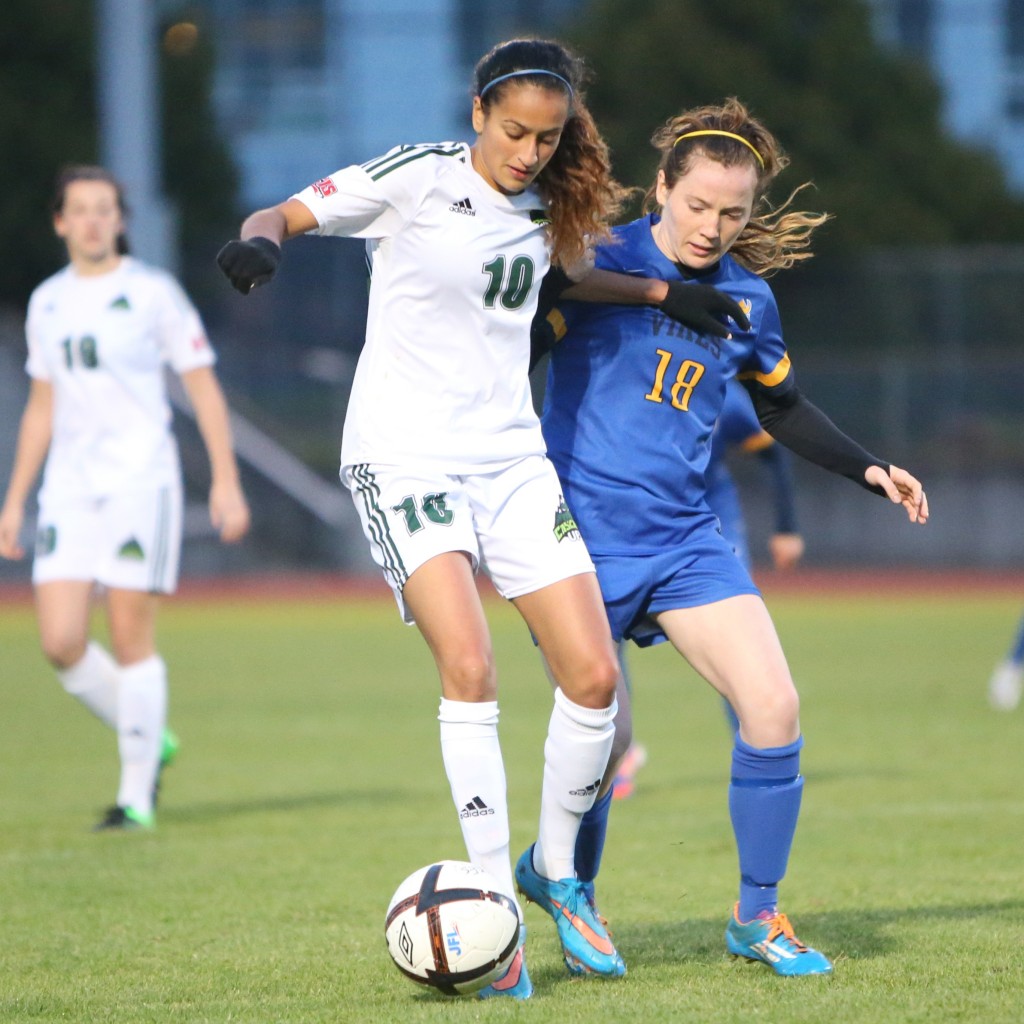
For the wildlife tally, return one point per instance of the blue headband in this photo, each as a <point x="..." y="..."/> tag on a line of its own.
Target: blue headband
<point x="527" y="71"/>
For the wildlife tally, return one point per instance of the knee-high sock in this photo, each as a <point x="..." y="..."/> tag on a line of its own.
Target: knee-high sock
<point x="476" y="774"/>
<point x="591" y="838"/>
<point x="575" y="758"/>
<point x="93" y="681"/>
<point x="141" y="716"/>
<point x="764" y="803"/>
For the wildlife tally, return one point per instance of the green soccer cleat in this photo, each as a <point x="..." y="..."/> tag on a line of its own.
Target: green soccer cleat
<point x="771" y="941"/>
<point x="124" y="819"/>
<point x="169" y="747"/>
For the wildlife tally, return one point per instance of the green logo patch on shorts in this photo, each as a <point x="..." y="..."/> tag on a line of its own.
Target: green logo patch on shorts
<point x="131" y="549"/>
<point x="46" y="540"/>
<point x="565" y="525"/>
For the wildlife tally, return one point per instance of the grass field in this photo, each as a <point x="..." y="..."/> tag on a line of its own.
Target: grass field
<point x="310" y="783"/>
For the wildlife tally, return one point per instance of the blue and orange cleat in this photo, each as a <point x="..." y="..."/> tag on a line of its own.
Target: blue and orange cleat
<point x="515" y="982"/>
<point x="771" y="941"/>
<point x="586" y="945"/>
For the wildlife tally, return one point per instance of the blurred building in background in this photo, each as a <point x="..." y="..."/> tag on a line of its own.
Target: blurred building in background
<point x="307" y="86"/>
<point x="925" y="356"/>
<point x="976" y="50"/>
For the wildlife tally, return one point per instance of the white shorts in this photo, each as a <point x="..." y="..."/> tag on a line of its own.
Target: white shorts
<point x="513" y="521"/>
<point x="129" y="541"/>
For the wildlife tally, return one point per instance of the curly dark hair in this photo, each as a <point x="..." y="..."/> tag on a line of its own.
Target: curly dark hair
<point x="582" y="196"/>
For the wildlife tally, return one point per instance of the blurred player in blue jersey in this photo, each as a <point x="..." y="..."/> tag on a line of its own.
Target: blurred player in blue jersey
<point x="1004" y="688"/>
<point x="629" y="411"/>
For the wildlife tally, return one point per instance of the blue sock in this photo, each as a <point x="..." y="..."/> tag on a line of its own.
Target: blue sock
<point x="764" y="804"/>
<point x="590" y="840"/>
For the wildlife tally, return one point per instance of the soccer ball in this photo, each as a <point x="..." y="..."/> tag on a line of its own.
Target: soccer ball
<point x="447" y="926"/>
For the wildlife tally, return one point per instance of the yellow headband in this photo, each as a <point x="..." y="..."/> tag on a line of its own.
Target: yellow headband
<point x="728" y="135"/>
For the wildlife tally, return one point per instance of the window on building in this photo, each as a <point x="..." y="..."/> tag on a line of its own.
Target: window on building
<point x="914" y="24"/>
<point x="1013" y="18"/>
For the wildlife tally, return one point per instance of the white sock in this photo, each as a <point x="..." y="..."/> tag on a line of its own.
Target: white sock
<point x="141" y="715"/>
<point x="93" y="681"/>
<point x="575" y="758"/>
<point x="476" y="774"/>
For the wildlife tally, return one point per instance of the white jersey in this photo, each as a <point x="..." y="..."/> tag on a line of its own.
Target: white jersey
<point x="102" y="342"/>
<point x="443" y="378"/>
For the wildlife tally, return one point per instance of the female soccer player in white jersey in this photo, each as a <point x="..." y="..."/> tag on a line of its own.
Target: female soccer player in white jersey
<point x="630" y="406"/>
<point x="99" y="334"/>
<point x="442" y="450"/>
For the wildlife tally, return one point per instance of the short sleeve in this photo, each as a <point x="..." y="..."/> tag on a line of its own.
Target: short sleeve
<point x="180" y="332"/>
<point x="769" y="366"/>
<point x="35" y="363"/>
<point x="371" y="200"/>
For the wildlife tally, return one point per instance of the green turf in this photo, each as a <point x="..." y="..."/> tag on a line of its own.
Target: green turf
<point x="310" y="783"/>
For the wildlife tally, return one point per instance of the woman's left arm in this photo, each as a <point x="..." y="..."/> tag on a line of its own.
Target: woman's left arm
<point x="229" y="512"/>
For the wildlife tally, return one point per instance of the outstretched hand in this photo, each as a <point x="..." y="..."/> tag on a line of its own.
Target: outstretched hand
<point x="249" y="263"/>
<point x="702" y="308"/>
<point x="901" y="489"/>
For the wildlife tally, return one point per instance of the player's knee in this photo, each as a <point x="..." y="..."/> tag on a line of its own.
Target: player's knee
<point x="774" y="722"/>
<point x="469" y="676"/>
<point x="63" y="650"/>
<point x="593" y="682"/>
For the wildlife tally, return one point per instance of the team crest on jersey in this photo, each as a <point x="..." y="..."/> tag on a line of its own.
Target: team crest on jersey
<point x="131" y="550"/>
<point x="46" y="540"/>
<point x="324" y="187"/>
<point x="746" y="305"/>
<point x="565" y="525"/>
<point x="540" y="217"/>
<point x="121" y="302"/>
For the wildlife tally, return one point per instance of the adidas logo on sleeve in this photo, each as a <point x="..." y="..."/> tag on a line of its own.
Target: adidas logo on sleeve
<point x="463" y="206"/>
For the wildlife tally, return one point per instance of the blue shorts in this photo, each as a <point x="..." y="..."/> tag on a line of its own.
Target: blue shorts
<point x="700" y="570"/>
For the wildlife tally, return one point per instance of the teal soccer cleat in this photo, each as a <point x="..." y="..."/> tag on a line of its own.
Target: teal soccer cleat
<point x="586" y="945"/>
<point x="515" y="982"/>
<point x="772" y="941"/>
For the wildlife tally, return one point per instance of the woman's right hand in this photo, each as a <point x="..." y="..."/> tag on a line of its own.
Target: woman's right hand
<point x="11" y="519"/>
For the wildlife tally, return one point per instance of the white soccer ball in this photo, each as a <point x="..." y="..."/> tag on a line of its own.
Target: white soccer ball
<point x="447" y="926"/>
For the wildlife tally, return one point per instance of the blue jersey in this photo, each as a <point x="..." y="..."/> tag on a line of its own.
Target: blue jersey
<point x="632" y="399"/>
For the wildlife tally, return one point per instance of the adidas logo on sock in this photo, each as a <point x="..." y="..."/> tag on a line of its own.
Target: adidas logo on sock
<point x="587" y="790"/>
<point x="463" y="206"/>
<point x="476" y="808"/>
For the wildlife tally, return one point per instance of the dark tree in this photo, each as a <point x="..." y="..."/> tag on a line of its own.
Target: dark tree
<point x="861" y="122"/>
<point x="48" y="119"/>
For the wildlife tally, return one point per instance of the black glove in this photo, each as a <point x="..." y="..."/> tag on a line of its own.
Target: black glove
<point x="249" y="263"/>
<point x="702" y="308"/>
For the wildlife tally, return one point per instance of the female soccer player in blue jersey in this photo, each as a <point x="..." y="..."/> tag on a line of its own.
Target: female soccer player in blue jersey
<point x="630" y="406"/>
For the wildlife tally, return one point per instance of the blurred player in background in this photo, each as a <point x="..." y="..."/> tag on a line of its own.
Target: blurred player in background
<point x="1004" y="687"/>
<point x="737" y="429"/>
<point x="100" y="333"/>
<point x="630" y="406"/>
